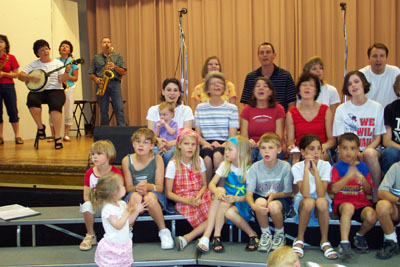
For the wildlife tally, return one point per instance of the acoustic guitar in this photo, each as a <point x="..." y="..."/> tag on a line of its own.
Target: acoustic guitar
<point x="40" y="85"/>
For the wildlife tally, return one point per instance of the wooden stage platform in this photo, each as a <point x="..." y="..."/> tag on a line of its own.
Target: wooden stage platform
<point x="47" y="168"/>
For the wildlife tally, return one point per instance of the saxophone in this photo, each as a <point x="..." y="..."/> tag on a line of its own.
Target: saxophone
<point x="107" y="75"/>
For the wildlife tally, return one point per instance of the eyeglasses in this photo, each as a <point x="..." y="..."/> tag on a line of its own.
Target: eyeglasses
<point x="144" y="142"/>
<point x="217" y="83"/>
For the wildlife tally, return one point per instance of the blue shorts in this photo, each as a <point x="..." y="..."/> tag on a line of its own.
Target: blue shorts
<point x="313" y="220"/>
<point x="286" y="203"/>
<point x="160" y="196"/>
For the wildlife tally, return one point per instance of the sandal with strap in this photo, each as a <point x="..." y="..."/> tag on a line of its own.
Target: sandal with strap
<point x="329" y="251"/>
<point x="299" y="250"/>
<point x="88" y="242"/>
<point x="180" y="243"/>
<point x="41" y="133"/>
<point x="203" y="244"/>
<point x="216" y="242"/>
<point x="57" y="144"/>
<point x="253" y="243"/>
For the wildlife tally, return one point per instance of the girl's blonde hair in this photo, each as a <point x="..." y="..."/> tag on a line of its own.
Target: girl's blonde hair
<point x="166" y="105"/>
<point x="182" y="134"/>
<point x="243" y="156"/>
<point x="106" y="147"/>
<point x="105" y="189"/>
<point x="282" y="256"/>
<point x="146" y="133"/>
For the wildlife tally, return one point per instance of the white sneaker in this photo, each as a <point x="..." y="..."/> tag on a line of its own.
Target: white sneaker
<point x="278" y="241"/>
<point x="265" y="242"/>
<point x="166" y="239"/>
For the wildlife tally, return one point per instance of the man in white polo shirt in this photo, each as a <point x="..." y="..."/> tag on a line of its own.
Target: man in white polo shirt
<point x="380" y="75"/>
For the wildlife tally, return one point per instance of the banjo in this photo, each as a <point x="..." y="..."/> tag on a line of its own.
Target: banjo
<point x="44" y="77"/>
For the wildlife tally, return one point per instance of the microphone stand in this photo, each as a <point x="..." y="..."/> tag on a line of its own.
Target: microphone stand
<point x="343" y="7"/>
<point x="183" y="56"/>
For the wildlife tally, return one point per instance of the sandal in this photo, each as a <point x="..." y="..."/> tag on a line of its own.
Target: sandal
<point x="329" y="251"/>
<point x="19" y="141"/>
<point x="88" y="242"/>
<point x="41" y="133"/>
<point x="299" y="250"/>
<point x="203" y="244"/>
<point x="180" y="243"/>
<point x="1" y="140"/>
<point x="216" y="242"/>
<point x="58" y="145"/>
<point x="67" y="138"/>
<point x="253" y="244"/>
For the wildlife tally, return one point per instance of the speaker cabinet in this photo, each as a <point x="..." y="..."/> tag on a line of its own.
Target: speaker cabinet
<point x="120" y="136"/>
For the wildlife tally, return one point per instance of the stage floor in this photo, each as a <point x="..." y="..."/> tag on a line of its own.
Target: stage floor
<point x="46" y="167"/>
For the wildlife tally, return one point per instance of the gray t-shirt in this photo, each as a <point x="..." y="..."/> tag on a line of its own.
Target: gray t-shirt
<point x="262" y="180"/>
<point x="391" y="181"/>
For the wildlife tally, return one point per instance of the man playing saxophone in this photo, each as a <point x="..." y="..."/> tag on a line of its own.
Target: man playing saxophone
<point x="106" y="70"/>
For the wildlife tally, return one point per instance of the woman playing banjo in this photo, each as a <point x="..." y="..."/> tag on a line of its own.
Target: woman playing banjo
<point x="51" y="93"/>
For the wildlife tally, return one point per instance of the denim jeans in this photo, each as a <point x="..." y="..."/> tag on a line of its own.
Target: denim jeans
<point x="390" y="155"/>
<point x="167" y="155"/>
<point x="9" y="96"/>
<point x="113" y="91"/>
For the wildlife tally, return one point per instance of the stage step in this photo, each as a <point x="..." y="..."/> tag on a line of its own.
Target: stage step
<point x="42" y="176"/>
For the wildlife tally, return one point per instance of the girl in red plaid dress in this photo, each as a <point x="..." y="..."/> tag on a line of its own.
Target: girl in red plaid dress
<point x="186" y="184"/>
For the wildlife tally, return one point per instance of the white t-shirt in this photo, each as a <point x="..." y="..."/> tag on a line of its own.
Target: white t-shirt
<point x="365" y="121"/>
<point x="324" y="170"/>
<point x="328" y="95"/>
<point x="111" y="234"/>
<point x="381" y="89"/>
<point x="171" y="168"/>
<point x="53" y="82"/>
<point x="182" y="114"/>
<point x="234" y="169"/>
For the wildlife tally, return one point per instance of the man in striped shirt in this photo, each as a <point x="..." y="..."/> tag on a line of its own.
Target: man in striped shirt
<point x="280" y="78"/>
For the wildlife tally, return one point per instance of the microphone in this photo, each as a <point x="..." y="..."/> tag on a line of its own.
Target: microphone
<point x="183" y="11"/>
<point x="343" y="5"/>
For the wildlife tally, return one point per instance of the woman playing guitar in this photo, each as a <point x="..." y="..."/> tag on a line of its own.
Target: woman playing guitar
<point x="66" y="57"/>
<point x="8" y="71"/>
<point x="52" y="93"/>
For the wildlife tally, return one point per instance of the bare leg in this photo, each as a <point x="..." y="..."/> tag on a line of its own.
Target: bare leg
<point x="155" y="210"/>
<point x="89" y="222"/>
<point x="56" y="118"/>
<point x="209" y="168"/>
<point x="217" y="159"/>
<point x="346" y="211"/>
<point x="275" y="210"/>
<point x="220" y="220"/>
<point x="323" y="218"/>
<point x="195" y="232"/>
<point x="133" y="200"/>
<point x="262" y="218"/>
<point x="368" y="216"/>
<point x="37" y="116"/>
<point x="305" y="208"/>
<point x="384" y="211"/>
<point x="213" y="213"/>
<point x="371" y="157"/>
<point x="66" y="130"/>
<point x="15" y="126"/>
<point x="233" y="214"/>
